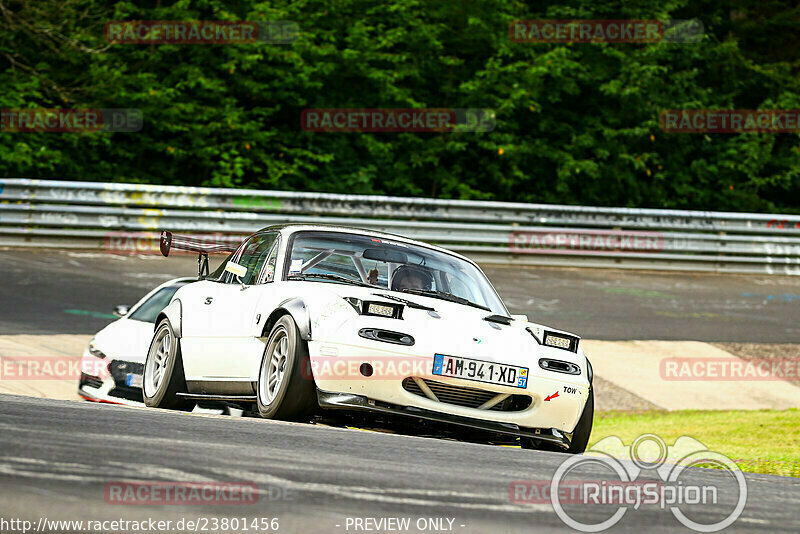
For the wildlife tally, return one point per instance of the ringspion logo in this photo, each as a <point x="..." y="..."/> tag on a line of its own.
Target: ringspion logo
<point x="649" y="475"/>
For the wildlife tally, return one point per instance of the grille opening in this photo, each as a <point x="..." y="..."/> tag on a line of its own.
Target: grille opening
<point x="390" y="336"/>
<point x="387" y="336"/>
<point x="559" y="366"/>
<point x="120" y="370"/>
<point x="467" y="397"/>
<point x="127" y="393"/>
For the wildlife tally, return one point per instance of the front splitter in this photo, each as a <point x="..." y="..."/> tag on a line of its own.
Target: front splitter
<point x="348" y="401"/>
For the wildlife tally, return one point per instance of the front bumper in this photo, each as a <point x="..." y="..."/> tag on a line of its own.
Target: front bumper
<point x="545" y="411"/>
<point x="111" y="387"/>
<point x="346" y="401"/>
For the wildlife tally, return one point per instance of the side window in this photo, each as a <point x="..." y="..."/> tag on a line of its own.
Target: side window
<point x="254" y="254"/>
<point x="150" y="309"/>
<point x="269" y="274"/>
<point x="220" y="273"/>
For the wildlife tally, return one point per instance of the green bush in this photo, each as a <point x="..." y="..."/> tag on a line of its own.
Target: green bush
<point x="576" y="123"/>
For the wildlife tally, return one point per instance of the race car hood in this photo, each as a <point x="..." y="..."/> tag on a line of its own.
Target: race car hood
<point x="453" y="328"/>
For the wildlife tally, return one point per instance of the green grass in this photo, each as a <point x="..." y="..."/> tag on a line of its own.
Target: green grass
<point x="759" y="441"/>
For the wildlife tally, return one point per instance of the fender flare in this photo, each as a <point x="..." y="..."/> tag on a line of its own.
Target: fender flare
<point x="299" y="312"/>
<point x="173" y="312"/>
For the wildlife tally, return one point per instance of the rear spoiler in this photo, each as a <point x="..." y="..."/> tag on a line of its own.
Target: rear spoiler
<point x="203" y="248"/>
<point x="182" y="242"/>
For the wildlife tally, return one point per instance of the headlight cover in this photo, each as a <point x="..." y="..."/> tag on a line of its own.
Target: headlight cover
<point x="94" y="351"/>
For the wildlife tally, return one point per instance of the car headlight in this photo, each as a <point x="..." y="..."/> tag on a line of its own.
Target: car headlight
<point x="376" y="309"/>
<point x="383" y="310"/>
<point x="561" y="341"/>
<point x="94" y="351"/>
<point x="554" y="339"/>
<point x="557" y="341"/>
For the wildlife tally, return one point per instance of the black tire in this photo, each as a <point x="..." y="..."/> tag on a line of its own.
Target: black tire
<point x="164" y="392"/>
<point x="295" y="397"/>
<point x="580" y="436"/>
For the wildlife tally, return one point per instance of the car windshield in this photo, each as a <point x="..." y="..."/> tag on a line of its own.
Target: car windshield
<point x="149" y="309"/>
<point x="391" y="266"/>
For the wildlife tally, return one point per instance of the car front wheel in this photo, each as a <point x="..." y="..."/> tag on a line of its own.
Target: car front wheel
<point x="163" y="371"/>
<point x="580" y="436"/>
<point x="286" y="388"/>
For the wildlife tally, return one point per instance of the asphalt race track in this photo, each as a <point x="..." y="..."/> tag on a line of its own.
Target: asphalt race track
<point x="58" y="456"/>
<point x="58" y="292"/>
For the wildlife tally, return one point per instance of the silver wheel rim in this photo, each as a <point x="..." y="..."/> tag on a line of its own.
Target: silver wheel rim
<point x="273" y="369"/>
<point x="157" y="361"/>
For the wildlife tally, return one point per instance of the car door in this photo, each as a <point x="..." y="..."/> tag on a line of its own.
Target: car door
<point x="224" y="349"/>
<point x="196" y="315"/>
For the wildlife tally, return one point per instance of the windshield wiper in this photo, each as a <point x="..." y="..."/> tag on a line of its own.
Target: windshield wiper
<point x="328" y="276"/>
<point x="409" y="303"/>
<point x="444" y="296"/>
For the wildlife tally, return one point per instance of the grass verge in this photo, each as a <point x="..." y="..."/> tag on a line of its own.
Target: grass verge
<point x="759" y="441"/>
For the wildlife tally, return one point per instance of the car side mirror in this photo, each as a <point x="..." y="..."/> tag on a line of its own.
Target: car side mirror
<point x="522" y="318"/>
<point x="238" y="271"/>
<point x="121" y="310"/>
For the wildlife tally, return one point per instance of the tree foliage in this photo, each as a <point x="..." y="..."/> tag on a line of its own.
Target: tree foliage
<point x="576" y="123"/>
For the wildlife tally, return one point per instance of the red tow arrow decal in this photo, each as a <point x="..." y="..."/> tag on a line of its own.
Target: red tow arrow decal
<point x="553" y="396"/>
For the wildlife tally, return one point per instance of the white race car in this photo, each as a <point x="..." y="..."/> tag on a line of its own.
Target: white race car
<point x="113" y="361"/>
<point x="308" y="319"/>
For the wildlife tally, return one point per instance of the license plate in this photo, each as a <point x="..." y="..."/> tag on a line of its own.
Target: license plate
<point x="480" y="371"/>
<point x="133" y="380"/>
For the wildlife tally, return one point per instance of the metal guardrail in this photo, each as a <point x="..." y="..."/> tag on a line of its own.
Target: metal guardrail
<point x="100" y="215"/>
